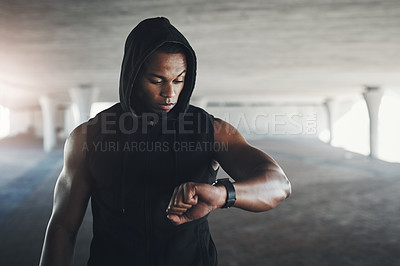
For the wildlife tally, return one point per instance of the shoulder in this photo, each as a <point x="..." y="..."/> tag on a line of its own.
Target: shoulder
<point x="76" y="142"/>
<point x="76" y="145"/>
<point x="226" y="133"/>
<point x="222" y="130"/>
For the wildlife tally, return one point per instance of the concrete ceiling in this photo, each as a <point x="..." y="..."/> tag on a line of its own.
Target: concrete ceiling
<point x="254" y="50"/>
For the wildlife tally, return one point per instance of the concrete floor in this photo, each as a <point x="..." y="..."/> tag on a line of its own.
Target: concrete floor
<point x="344" y="210"/>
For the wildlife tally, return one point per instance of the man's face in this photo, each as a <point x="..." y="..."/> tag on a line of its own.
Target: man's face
<point x="159" y="82"/>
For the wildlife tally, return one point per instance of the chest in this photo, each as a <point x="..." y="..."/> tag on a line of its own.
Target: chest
<point x="154" y="156"/>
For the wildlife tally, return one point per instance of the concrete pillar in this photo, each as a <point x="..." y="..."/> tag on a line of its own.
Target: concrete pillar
<point x="82" y="98"/>
<point x="330" y="107"/>
<point x="49" y="126"/>
<point x="69" y="121"/>
<point x="4" y="122"/>
<point x="373" y="97"/>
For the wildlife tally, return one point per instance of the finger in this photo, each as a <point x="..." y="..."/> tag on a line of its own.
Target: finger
<point x="189" y="194"/>
<point x="173" y="198"/>
<point x="176" y="210"/>
<point x="178" y="201"/>
<point x="174" y="207"/>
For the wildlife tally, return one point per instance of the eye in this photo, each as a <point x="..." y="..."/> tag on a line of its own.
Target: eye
<point x="178" y="81"/>
<point x="156" y="82"/>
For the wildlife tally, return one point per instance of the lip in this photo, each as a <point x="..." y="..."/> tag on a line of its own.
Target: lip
<point x="167" y="107"/>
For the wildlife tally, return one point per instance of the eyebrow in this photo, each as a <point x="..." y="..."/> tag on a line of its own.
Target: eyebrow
<point x="161" y="77"/>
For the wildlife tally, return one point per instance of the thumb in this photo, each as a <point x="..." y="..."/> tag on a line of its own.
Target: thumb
<point x="177" y="220"/>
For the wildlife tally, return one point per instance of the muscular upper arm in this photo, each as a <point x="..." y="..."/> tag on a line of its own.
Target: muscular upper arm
<point x="238" y="158"/>
<point x="73" y="187"/>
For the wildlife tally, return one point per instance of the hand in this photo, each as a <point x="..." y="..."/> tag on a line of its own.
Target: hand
<point x="191" y="201"/>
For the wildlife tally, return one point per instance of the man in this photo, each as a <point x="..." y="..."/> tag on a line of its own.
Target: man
<point x="149" y="166"/>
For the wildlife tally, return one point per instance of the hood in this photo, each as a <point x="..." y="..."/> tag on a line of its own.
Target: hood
<point x="143" y="40"/>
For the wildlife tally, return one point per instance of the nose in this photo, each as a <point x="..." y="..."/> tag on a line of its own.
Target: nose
<point x="168" y="91"/>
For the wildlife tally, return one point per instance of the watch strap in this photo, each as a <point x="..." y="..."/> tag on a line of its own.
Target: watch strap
<point x="230" y="192"/>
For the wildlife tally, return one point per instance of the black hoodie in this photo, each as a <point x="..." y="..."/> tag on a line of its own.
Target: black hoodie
<point x="144" y="39"/>
<point x="136" y="163"/>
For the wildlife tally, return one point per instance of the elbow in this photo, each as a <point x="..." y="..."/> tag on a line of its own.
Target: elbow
<point x="264" y="192"/>
<point x="281" y="191"/>
<point x="278" y="199"/>
<point x="287" y="188"/>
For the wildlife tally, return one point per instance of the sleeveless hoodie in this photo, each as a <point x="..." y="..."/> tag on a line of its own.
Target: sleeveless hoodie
<point x="136" y="161"/>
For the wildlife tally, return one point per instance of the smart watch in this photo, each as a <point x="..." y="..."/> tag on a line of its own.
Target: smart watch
<point x="230" y="191"/>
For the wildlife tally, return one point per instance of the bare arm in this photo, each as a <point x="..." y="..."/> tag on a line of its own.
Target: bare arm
<point x="71" y="196"/>
<point x="260" y="182"/>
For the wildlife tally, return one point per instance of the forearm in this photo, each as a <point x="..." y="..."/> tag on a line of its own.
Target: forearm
<point x="58" y="247"/>
<point x="262" y="190"/>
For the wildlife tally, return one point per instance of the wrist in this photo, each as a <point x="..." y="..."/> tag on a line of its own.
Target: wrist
<point x="221" y="191"/>
<point x="227" y="193"/>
